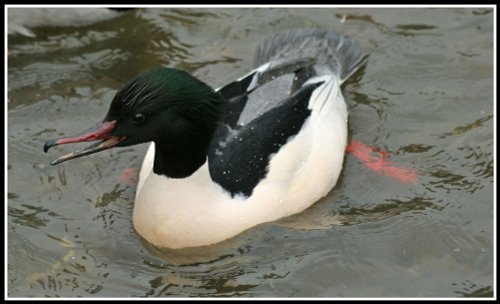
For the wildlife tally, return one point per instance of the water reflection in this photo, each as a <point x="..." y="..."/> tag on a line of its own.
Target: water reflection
<point x="45" y="75"/>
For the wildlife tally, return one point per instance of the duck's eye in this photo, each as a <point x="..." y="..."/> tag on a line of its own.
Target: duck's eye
<point x="139" y="118"/>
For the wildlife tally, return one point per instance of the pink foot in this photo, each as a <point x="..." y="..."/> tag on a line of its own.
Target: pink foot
<point x="377" y="163"/>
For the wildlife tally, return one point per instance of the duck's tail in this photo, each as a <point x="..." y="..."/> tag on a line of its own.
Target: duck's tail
<point x="334" y="53"/>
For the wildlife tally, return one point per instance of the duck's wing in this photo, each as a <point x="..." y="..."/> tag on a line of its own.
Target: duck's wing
<point x="283" y="62"/>
<point x="262" y="89"/>
<point x="239" y="157"/>
<point x="268" y="106"/>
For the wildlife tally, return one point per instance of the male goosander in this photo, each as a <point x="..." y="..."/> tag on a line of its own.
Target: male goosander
<point x="265" y="146"/>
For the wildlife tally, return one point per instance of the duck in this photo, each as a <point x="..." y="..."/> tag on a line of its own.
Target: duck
<point x="221" y="161"/>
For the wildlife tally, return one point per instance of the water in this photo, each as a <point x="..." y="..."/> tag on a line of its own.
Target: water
<point x="425" y="96"/>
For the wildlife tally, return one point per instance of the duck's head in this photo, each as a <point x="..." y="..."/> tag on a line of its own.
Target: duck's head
<point x="167" y="106"/>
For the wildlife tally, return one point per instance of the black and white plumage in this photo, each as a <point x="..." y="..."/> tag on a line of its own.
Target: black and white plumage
<point x="263" y="147"/>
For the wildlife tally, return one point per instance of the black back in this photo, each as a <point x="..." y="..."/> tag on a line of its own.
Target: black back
<point x="239" y="158"/>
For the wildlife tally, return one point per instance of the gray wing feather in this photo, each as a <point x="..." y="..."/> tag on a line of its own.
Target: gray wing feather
<point x="334" y="53"/>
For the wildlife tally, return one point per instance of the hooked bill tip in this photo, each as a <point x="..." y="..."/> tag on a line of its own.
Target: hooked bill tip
<point x="49" y="144"/>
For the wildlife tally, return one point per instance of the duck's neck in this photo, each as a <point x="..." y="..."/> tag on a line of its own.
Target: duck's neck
<point x="181" y="152"/>
<point x="180" y="162"/>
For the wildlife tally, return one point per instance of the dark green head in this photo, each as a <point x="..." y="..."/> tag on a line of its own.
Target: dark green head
<point x="163" y="103"/>
<point x="168" y="106"/>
